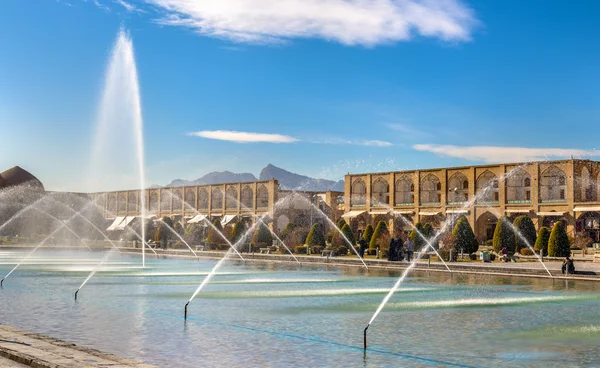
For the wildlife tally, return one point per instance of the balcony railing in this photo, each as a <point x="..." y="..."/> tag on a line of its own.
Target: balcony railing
<point x="405" y="204"/>
<point x="484" y="202"/>
<point x="459" y="203"/>
<point x="519" y="201"/>
<point x="430" y="204"/>
<point x="553" y="200"/>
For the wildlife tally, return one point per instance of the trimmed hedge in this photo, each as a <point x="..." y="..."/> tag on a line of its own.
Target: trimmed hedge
<point x="504" y="236"/>
<point x="214" y="238"/>
<point x="417" y="240"/>
<point x="368" y="234"/>
<point x="558" y="244"/>
<point x="316" y="236"/>
<point x="381" y="232"/>
<point x="237" y="232"/>
<point x="465" y="238"/>
<point x="525" y="226"/>
<point x="262" y="236"/>
<point x="542" y="239"/>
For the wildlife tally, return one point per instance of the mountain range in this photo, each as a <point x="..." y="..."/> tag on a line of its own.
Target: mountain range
<point x="287" y="180"/>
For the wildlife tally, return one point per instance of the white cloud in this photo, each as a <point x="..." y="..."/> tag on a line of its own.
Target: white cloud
<point x="100" y="5"/>
<point x="129" y="7"/>
<point x="243" y="137"/>
<point x="375" y="143"/>
<point x="407" y="130"/>
<point x="350" y="22"/>
<point x="499" y="154"/>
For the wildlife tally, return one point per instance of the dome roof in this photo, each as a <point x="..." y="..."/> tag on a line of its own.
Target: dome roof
<point x="18" y="176"/>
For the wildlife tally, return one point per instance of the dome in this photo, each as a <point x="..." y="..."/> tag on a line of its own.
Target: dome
<point x="18" y="176"/>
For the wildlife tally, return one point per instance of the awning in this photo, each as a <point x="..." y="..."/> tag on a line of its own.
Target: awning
<point x="352" y="214"/>
<point x="115" y="223"/>
<point x="517" y="210"/>
<point x="125" y="223"/>
<point x="429" y="213"/>
<point x="379" y="212"/>
<point x="227" y="219"/>
<point x="403" y="212"/>
<point x="557" y="214"/>
<point x="457" y="211"/>
<point x="196" y="219"/>
<point x="587" y="209"/>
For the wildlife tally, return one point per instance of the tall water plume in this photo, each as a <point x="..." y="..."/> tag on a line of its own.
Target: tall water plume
<point x="118" y="151"/>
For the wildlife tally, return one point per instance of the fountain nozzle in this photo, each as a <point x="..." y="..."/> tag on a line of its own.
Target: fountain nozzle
<point x="76" y="294"/>
<point x="365" y="336"/>
<point x="185" y="311"/>
<point x="1" y="282"/>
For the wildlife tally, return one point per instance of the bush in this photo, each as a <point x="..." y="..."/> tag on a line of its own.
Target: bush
<point x="489" y="243"/>
<point x="526" y="251"/>
<point x="504" y="236"/>
<point x="429" y="233"/>
<point x="194" y="233"/>
<point x="296" y="237"/>
<point x="316" y="236"/>
<point x="542" y="239"/>
<point x="340" y="223"/>
<point x="287" y="230"/>
<point x="262" y="236"/>
<point x="581" y="241"/>
<point x="473" y="256"/>
<point x="237" y="232"/>
<point x="379" y="236"/>
<point x="558" y="244"/>
<point x="368" y="234"/>
<point x="465" y="238"/>
<point x="524" y="225"/>
<point x="300" y="249"/>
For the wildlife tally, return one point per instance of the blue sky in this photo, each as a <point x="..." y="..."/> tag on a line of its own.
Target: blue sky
<point x="347" y="86"/>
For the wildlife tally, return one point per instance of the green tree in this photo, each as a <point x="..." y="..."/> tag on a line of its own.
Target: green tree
<point x="417" y="238"/>
<point x="347" y="231"/>
<point x="558" y="244"/>
<point x="163" y="233"/>
<point x="316" y="236"/>
<point x="237" y="232"/>
<point x="542" y="240"/>
<point x="340" y="223"/>
<point x="504" y="236"/>
<point x="380" y="236"/>
<point x="525" y="227"/>
<point x="464" y="236"/>
<point x="178" y="228"/>
<point x="429" y="234"/>
<point x="262" y="236"/>
<point x="368" y="233"/>
<point x="215" y="235"/>
<point x="287" y="230"/>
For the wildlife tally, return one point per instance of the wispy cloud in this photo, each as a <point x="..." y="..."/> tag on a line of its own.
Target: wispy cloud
<point x="376" y="143"/>
<point x="350" y="22"/>
<point x="100" y="5"/>
<point x="407" y="130"/>
<point x="498" y="154"/>
<point x="243" y="137"/>
<point x="128" y="6"/>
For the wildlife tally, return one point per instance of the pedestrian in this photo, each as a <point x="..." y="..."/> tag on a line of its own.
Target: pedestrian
<point x="362" y="247"/>
<point x="399" y="249"/>
<point x="392" y="256"/>
<point x="568" y="267"/>
<point x="409" y="250"/>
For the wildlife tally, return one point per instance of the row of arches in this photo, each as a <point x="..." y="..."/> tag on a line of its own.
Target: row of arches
<point x="553" y="187"/>
<point x="187" y="197"/>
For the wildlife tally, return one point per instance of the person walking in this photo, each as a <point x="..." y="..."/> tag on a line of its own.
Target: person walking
<point x="409" y="250"/>
<point x="362" y="247"/>
<point x="392" y="256"/>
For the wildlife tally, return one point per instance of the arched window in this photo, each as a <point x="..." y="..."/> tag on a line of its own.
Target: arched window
<point x="431" y="189"/>
<point x="122" y="202"/>
<point x="262" y="196"/>
<point x="231" y="201"/>
<point x="518" y="186"/>
<point x="380" y="193"/>
<point x="190" y="198"/>
<point x="586" y="186"/>
<point x="153" y="201"/>
<point x="131" y="202"/>
<point x="404" y="193"/>
<point x="112" y="202"/>
<point x="217" y="199"/>
<point x="202" y="199"/>
<point x="247" y="197"/>
<point x="165" y="200"/>
<point x="359" y="192"/>
<point x="553" y="185"/>
<point x="487" y="187"/>
<point x="457" y="191"/>
<point x="177" y="199"/>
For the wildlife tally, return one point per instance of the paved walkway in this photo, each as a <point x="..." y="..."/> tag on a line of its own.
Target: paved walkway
<point x="35" y="350"/>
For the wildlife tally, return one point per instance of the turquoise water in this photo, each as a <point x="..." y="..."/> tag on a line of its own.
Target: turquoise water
<point x="267" y="315"/>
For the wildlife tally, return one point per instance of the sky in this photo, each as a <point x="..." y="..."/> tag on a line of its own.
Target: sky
<point x="321" y="88"/>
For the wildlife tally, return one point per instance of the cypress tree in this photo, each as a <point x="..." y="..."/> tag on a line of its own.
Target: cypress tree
<point x="262" y="236"/>
<point x="237" y="232"/>
<point x="429" y="233"/>
<point x="525" y="226"/>
<point x="465" y="238"/>
<point x="368" y="234"/>
<point x="214" y="238"/>
<point x="504" y="236"/>
<point x="347" y="231"/>
<point x="417" y="239"/>
<point x="542" y="240"/>
<point x="380" y="232"/>
<point x="316" y="236"/>
<point x="558" y="244"/>
<point x="287" y="230"/>
<point x="340" y="223"/>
